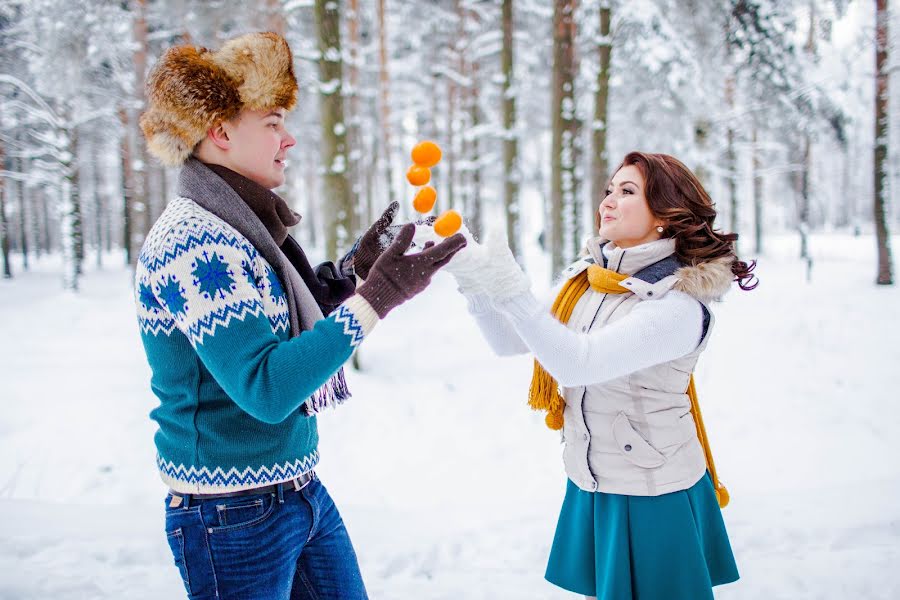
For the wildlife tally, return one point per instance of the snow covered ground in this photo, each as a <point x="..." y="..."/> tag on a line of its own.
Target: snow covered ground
<point x="449" y="485"/>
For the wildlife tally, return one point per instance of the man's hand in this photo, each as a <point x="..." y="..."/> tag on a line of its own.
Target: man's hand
<point x="373" y="242"/>
<point x="396" y="277"/>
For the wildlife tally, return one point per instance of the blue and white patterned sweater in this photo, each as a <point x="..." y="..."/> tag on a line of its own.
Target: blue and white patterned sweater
<point x="231" y="382"/>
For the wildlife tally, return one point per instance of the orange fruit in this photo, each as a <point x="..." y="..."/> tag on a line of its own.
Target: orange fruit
<point x="426" y="154"/>
<point x="417" y="175"/>
<point x="448" y="223"/>
<point x="424" y="200"/>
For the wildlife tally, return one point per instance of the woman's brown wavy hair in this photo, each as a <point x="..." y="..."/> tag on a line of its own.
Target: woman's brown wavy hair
<point x="677" y="197"/>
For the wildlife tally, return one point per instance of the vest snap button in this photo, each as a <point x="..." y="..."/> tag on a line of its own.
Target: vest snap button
<point x="627" y="447"/>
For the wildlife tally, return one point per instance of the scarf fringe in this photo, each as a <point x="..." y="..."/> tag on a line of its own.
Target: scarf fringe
<point x="334" y="392"/>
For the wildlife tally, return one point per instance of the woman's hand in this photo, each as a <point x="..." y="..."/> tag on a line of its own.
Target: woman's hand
<point x="500" y="275"/>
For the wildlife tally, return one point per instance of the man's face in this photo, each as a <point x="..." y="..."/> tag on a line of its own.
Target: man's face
<point x="259" y="143"/>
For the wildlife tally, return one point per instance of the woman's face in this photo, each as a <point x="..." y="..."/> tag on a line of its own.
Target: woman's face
<point x="625" y="217"/>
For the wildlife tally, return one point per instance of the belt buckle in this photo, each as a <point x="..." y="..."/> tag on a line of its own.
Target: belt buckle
<point x="297" y="481"/>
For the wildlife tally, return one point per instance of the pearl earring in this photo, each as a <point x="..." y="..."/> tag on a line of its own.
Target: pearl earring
<point x="659" y="229"/>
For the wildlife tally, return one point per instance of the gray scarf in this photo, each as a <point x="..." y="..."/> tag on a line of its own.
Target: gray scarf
<point x="200" y="184"/>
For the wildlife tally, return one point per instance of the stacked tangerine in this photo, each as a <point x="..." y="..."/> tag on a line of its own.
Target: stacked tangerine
<point x="424" y="156"/>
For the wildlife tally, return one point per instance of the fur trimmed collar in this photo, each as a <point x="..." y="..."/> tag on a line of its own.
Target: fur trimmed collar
<point x="706" y="281"/>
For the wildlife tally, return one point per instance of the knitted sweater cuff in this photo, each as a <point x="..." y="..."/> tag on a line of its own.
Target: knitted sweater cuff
<point x="363" y="312"/>
<point x="479" y="303"/>
<point x="521" y="307"/>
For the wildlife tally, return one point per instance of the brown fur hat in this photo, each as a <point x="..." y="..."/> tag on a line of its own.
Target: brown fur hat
<point x="191" y="89"/>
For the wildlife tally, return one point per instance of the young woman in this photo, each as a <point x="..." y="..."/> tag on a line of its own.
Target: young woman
<point x="640" y="517"/>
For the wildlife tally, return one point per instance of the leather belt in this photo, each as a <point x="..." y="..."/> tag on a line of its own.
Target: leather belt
<point x="296" y="484"/>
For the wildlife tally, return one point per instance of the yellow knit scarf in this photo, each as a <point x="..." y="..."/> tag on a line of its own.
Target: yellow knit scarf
<point x="544" y="392"/>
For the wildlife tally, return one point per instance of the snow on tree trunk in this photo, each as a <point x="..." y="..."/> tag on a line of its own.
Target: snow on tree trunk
<point x="336" y="196"/>
<point x="803" y="207"/>
<point x="73" y="173"/>
<point x="474" y="158"/>
<point x="562" y="178"/>
<point x="97" y="192"/>
<point x="512" y="174"/>
<point x="68" y="233"/>
<point x="140" y="193"/>
<point x="360" y="211"/>
<point x="731" y="170"/>
<point x="757" y="195"/>
<point x="127" y="187"/>
<point x="885" y="266"/>
<point x="4" y="224"/>
<point x="600" y="163"/>
<point x="22" y="197"/>
<point x="384" y="89"/>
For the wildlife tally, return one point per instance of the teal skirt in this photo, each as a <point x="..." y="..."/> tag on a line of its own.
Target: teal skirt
<point x="615" y="547"/>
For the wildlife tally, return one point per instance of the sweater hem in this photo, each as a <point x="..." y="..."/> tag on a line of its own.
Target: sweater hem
<point x="191" y="480"/>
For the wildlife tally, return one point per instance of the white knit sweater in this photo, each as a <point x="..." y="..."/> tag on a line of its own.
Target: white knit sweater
<point x="651" y="334"/>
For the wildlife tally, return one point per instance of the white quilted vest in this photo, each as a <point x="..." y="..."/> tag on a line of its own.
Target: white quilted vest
<point x="632" y="435"/>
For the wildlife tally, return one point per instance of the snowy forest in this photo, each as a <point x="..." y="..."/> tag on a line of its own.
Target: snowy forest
<point x="773" y="104"/>
<point x="449" y="484"/>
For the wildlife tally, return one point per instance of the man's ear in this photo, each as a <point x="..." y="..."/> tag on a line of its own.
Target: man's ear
<point x="218" y="135"/>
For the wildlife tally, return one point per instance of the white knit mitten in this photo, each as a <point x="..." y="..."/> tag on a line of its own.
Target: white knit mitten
<point x="467" y="265"/>
<point x="501" y="276"/>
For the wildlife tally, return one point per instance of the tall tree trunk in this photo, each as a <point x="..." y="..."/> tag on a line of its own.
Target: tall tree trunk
<point x="334" y="132"/>
<point x="803" y="209"/>
<point x="4" y="224"/>
<point x="22" y="197"/>
<point x="511" y="171"/>
<point x="433" y="125"/>
<point x="37" y="221"/>
<point x="449" y="154"/>
<point x="67" y="229"/>
<point x="562" y="146"/>
<point x="757" y="196"/>
<point x="74" y="176"/>
<point x="99" y="205"/>
<point x="460" y="164"/>
<point x="731" y="156"/>
<point x="45" y="212"/>
<point x="128" y="237"/>
<point x="384" y="88"/>
<point x="354" y="132"/>
<point x="803" y="212"/>
<point x="600" y="170"/>
<point x="140" y="199"/>
<point x="885" y="266"/>
<point x="474" y="158"/>
<point x="70" y="213"/>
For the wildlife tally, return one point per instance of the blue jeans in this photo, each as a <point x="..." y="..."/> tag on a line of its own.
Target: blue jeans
<point x="290" y="545"/>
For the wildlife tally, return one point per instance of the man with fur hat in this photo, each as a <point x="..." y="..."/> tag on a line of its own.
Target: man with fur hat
<point x="246" y="340"/>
